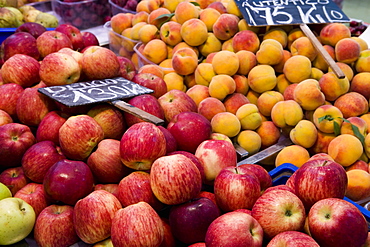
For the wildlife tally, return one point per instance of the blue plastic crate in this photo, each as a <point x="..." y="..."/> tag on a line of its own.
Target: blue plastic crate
<point x="281" y="174"/>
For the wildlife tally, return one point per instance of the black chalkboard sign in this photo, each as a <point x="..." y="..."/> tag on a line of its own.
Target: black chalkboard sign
<point x="84" y="93"/>
<point x="285" y="12"/>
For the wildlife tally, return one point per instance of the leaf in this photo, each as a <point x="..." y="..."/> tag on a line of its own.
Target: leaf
<point x="357" y="133"/>
<point x="164" y="18"/>
<point x="336" y="129"/>
<point x="195" y="4"/>
<point x="326" y="117"/>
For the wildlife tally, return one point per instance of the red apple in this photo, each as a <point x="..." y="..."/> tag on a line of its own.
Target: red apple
<point x="20" y="43"/>
<point x="151" y="81"/>
<point x="189" y="221"/>
<point x="193" y="158"/>
<point x="15" y="139"/>
<point x="141" y="144"/>
<point x="292" y="239"/>
<point x="279" y="187"/>
<point x="52" y="41"/>
<point x="9" y="95"/>
<point x="111" y="188"/>
<point x="127" y="68"/>
<point x="67" y="181"/>
<point x="5" y="118"/>
<point x="189" y="129"/>
<point x="32" y="106"/>
<point x="73" y="33"/>
<point x="215" y="155"/>
<point x="330" y="220"/>
<point x="48" y="129"/>
<point x="110" y="119"/>
<point x="168" y="238"/>
<point x="34" y="28"/>
<point x="79" y="135"/>
<point x="105" y="162"/>
<point x="21" y="69"/>
<point x="100" y="63"/>
<point x="93" y="214"/>
<point x="236" y="188"/>
<point x="175" y="179"/>
<point x="37" y="160"/>
<point x="319" y="179"/>
<point x="59" y="68"/>
<point x="137" y="225"/>
<point x="135" y="187"/>
<point x="262" y="175"/>
<point x="278" y="211"/>
<point x="34" y="194"/>
<point x="54" y="226"/>
<point x="89" y="39"/>
<point x="145" y="102"/>
<point x="175" y="101"/>
<point x="14" y="179"/>
<point x="234" y="229"/>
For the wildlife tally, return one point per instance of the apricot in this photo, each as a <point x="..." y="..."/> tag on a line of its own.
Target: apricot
<point x="322" y="142"/>
<point x="333" y="32"/>
<point x="367" y="145"/>
<point x="267" y="100"/>
<point x="270" y="52"/>
<point x="174" y="80"/>
<point x="194" y="32"/>
<point x="247" y="60"/>
<point x="279" y="67"/>
<point x="303" y="46"/>
<point x="241" y="82"/>
<point x="269" y="133"/>
<point x="297" y="68"/>
<point x="246" y="40"/>
<point x="212" y="44"/>
<point x="184" y="61"/>
<point x="277" y="34"/>
<point x="326" y="117"/>
<point x="221" y="85"/>
<point x="249" y="116"/>
<point x="204" y="73"/>
<point x="282" y="83"/>
<point x="366" y="117"/>
<point x="363" y="62"/>
<point x="250" y="141"/>
<point x="120" y="22"/>
<point x="352" y="104"/>
<point x="262" y="78"/>
<point x="345" y="149"/>
<point x="226" y="26"/>
<point x="308" y="94"/>
<point x="170" y="33"/>
<point x="209" y="16"/>
<point x="352" y="123"/>
<point x="332" y="86"/>
<point x="363" y="44"/>
<point x="361" y="84"/>
<point x="358" y="185"/>
<point x="147" y="33"/>
<point x="346" y="68"/>
<point x="347" y="50"/>
<point x="320" y="63"/>
<point x="155" y="51"/>
<point x="316" y="73"/>
<point x="210" y="106"/>
<point x="234" y="101"/>
<point x="359" y="164"/>
<point x="226" y="123"/>
<point x="294" y="34"/>
<point x="294" y="154"/>
<point x="153" y="16"/>
<point x="304" y="134"/>
<point x="225" y="62"/>
<point x="153" y="69"/>
<point x="185" y="11"/>
<point x="286" y="113"/>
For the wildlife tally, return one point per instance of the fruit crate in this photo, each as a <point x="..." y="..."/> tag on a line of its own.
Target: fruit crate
<point x="281" y="174"/>
<point x="115" y="8"/>
<point x="82" y="14"/>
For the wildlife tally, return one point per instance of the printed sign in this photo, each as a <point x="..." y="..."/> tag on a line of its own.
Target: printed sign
<point x="83" y="93"/>
<point x="285" y="12"/>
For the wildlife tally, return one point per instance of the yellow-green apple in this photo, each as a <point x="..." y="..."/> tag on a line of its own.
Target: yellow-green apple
<point x="89" y="39"/>
<point x="99" y="63"/>
<point x="79" y="135"/>
<point x="58" y="69"/>
<point x="145" y="102"/>
<point x="34" y="195"/>
<point x="54" y="226"/>
<point x="170" y="33"/>
<point x="234" y="229"/>
<point x="175" y="101"/>
<point x="38" y="158"/>
<point x="134" y="188"/>
<point x="319" y="179"/>
<point x="15" y="139"/>
<point x="4" y="191"/>
<point x="10" y="93"/>
<point x="236" y="188"/>
<point x="194" y="159"/>
<point x="215" y="155"/>
<point x="127" y="68"/>
<point x="67" y="181"/>
<point x="292" y="239"/>
<point x="175" y="179"/>
<point x="137" y="225"/>
<point x="14" y="179"/>
<point x="151" y="81"/>
<point x="189" y="129"/>
<point x="189" y="221"/>
<point x="5" y="118"/>
<point x="34" y="28"/>
<point x="226" y="26"/>
<point x="73" y="33"/>
<point x="261" y="173"/>
<point x="171" y="144"/>
<point x="278" y="211"/>
<point x="141" y="144"/>
<point x="105" y="162"/>
<point x="17" y="218"/>
<point x="111" y="188"/>
<point x="48" y="129"/>
<point x="334" y="217"/>
<point x="21" y="69"/>
<point x="52" y="41"/>
<point x="110" y="119"/>
<point x="32" y="106"/>
<point x="93" y="214"/>
<point x="20" y="43"/>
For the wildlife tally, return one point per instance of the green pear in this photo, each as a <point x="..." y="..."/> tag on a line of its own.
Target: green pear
<point x="30" y="15"/>
<point x="7" y="18"/>
<point x="47" y="20"/>
<point x="18" y="14"/>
